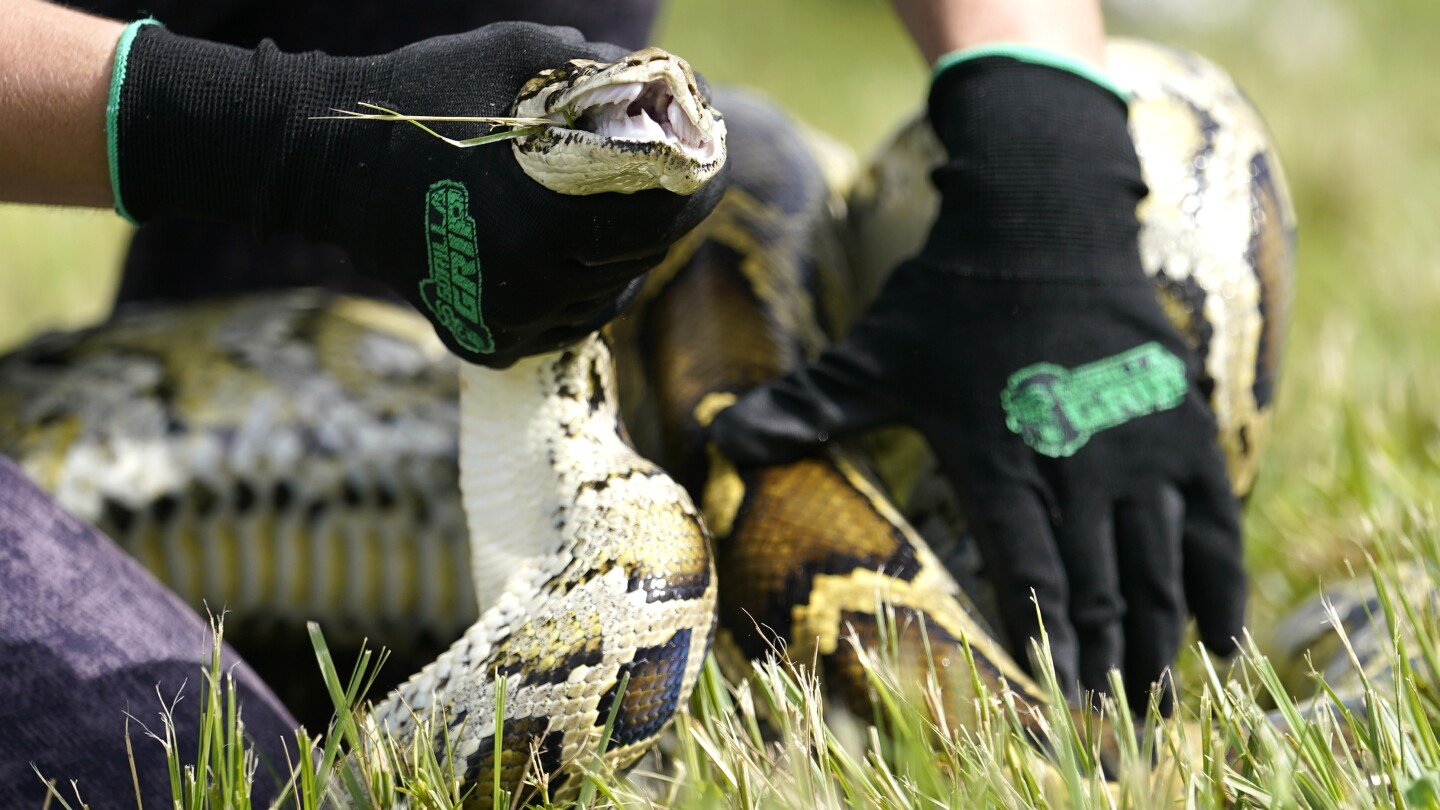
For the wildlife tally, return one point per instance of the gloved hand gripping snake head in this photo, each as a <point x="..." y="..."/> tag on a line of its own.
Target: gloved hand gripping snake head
<point x="592" y="567"/>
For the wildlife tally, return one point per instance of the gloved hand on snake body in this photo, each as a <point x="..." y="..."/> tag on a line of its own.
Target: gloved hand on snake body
<point x="1028" y="346"/>
<point x="501" y="265"/>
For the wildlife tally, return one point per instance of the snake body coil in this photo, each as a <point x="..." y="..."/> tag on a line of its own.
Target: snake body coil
<point x="596" y="588"/>
<point x="293" y="455"/>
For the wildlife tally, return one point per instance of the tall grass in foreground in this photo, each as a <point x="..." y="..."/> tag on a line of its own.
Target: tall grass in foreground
<point x="1368" y="738"/>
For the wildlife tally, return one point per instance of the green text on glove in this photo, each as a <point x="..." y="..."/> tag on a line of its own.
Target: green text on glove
<point x="452" y="292"/>
<point x="1056" y="410"/>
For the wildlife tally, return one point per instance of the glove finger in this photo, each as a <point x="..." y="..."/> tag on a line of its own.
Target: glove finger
<point x="620" y="272"/>
<point x="593" y="313"/>
<point x="1147" y="532"/>
<point x="1085" y="537"/>
<point x="600" y="229"/>
<point x="568" y="327"/>
<point x="838" y="394"/>
<point x="1215" y="583"/>
<point x="543" y="227"/>
<point x="611" y="309"/>
<point x="538" y="47"/>
<point x="1013" y="528"/>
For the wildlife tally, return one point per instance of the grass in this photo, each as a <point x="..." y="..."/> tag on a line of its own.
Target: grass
<point x="1240" y="738"/>
<point x="1354" y="467"/>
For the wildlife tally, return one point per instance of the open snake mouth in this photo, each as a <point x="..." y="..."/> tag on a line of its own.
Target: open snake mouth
<point x="642" y="117"/>
<point x="642" y="112"/>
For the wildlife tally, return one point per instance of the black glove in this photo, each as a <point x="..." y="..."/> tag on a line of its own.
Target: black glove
<point x="503" y="266"/>
<point x="1028" y="346"/>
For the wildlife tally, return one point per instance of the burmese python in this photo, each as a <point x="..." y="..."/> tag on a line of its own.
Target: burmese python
<point x="293" y="455"/>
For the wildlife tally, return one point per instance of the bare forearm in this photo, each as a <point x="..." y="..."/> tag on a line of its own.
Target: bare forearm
<point x="54" y="79"/>
<point x="1072" y="27"/>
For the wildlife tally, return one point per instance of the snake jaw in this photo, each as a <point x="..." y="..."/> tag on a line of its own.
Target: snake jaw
<point x="635" y="124"/>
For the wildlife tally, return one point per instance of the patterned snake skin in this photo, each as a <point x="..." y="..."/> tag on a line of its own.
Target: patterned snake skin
<point x="294" y="455"/>
<point x="805" y="551"/>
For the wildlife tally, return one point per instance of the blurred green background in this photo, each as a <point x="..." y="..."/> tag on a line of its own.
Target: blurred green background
<point x="1349" y="88"/>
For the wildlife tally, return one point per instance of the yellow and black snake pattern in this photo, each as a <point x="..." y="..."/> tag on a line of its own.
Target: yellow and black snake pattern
<point x="294" y="455"/>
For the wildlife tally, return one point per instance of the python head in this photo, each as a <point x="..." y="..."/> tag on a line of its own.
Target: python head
<point x="634" y="124"/>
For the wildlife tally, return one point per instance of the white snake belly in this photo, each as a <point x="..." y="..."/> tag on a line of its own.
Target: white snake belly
<point x="593" y="570"/>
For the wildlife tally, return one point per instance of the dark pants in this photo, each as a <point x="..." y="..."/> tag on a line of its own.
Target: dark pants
<point x="87" y="635"/>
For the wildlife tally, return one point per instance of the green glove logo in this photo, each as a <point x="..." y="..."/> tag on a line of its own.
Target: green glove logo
<point x="1056" y="410"/>
<point x="452" y="292"/>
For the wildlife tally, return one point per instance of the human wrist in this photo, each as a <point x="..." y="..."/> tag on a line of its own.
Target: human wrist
<point x="939" y="27"/>
<point x="211" y="131"/>
<point x="54" y="74"/>
<point x="1042" y="178"/>
<point x="1029" y="53"/>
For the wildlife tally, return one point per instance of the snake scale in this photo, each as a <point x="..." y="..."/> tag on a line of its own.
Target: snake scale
<point x="295" y="455"/>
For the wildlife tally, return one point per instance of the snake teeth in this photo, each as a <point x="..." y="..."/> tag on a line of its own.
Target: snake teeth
<point x="636" y="111"/>
<point x="625" y="92"/>
<point x="642" y="111"/>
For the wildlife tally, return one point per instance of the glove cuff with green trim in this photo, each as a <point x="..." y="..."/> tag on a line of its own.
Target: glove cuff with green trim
<point x="1042" y="178"/>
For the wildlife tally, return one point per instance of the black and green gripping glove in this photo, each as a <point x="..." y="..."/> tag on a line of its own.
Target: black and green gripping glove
<point x="502" y="266"/>
<point x="1028" y="346"/>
